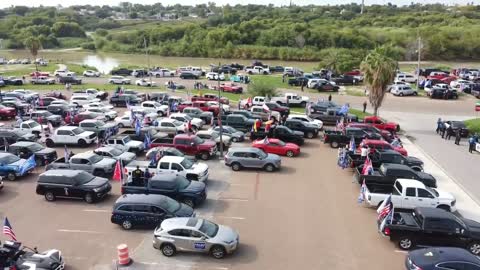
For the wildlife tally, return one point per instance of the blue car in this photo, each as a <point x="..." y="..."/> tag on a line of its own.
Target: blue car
<point x="12" y="166"/>
<point x="442" y="258"/>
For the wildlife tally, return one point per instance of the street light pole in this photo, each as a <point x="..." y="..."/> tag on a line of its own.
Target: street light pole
<point x="220" y="111"/>
<point x="419" y="41"/>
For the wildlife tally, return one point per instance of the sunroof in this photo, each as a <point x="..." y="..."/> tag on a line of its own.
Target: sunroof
<point x="192" y="222"/>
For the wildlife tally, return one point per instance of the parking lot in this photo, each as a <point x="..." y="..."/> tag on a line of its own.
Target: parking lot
<point x="306" y="214"/>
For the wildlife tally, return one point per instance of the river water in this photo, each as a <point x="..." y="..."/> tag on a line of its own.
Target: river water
<point x="105" y="62"/>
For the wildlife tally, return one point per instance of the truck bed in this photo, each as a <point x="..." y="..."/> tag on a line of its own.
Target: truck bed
<point x="376" y="177"/>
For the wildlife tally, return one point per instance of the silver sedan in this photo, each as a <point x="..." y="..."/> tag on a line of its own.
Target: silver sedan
<point x="194" y="235"/>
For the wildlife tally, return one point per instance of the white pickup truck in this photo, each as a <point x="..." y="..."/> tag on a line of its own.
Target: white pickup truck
<point x="291" y="99"/>
<point x="183" y="166"/>
<point x="408" y="194"/>
<point x="257" y="70"/>
<point x="71" y="135"/>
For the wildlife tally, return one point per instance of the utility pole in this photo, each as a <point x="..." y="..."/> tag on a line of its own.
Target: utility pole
<point x="148" y="58"/>
<point x="220" y="111"/>
<point x="363" y="5"/>
<point x="419" y="50"/>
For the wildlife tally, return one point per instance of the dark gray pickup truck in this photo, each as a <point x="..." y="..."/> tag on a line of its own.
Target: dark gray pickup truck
<point x="388" y="173"/>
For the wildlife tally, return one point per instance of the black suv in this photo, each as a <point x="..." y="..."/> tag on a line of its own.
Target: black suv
<point x="131" y="210"/>
<point x="59" y="109"/>
<point x="191" y="193"/>
<point x="310" y="131"/>
<point x="122" y="72"/>
<point x="188" y="75"/>
<point x="43" y="155"/>
<point x="69" y="79"/>
<point x="72" y="184"/>
<point x="122" y="100"/>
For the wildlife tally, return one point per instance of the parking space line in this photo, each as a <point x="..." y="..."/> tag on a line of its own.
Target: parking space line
<point x="185" y="265"/>
<point x="238" y="218"/>
<point x="233" y="199"/>
<point x="401" y="251"/>
<point x="97" y="210"/>
<point x="78" y="231"/>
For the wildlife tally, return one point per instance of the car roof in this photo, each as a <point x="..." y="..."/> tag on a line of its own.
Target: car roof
<point x="435" y="255"/>
<point x="3" y="154"/>
<point x="431" y="212"/>
<point x="244" y="149"/>
<point x="172" y="159"/>
<point x="164" y="177"/>
<point x="411" y="183"/>
<point x="66" y="173"/>
<point x="141" y="198"/>
<point x="105" y="148"/>
<point x="85" y="154"/>
<point x="181" y="223"/>
<point x="23" y="143"/>
<point x="67" y="128"/>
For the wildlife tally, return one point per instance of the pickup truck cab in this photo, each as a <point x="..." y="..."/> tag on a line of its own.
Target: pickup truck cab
<point x="160" y="109"/>
<point x="87" y="161"/>
<point x="257" y="70"/>
<point x="386" y="156"/>
<point x="189" y="145"/>
<point x="330" y="116"/>
<point x="408" y="194"/>
<point x="291" y="99"/>
<point x="132" y="145"/>
<point x="307" y="119"/>
<point x="177" y="187"/>
<point x="376" y="144"/>
<point x="279" y="132"/>
<point x="31" y="127"/>
<point x="260" y="112"/>
<point x="388" y="173"/>
<point x="43" y="155"/>
<point x="193" y="112"/>
<point x="172" y="165"/>
<point x="380" y="124"/>
<point x="432" y="227"/>
<point x="226" y="141"/>
<point x="71" y="135"/>
<point x="171" y="126"/>
<point x="309" y="130"/>
<point x="210" y="97"/>
<point x="197" y="123"/>
<point x="343" y="137"/>
<point x="238" y="121"/>
<point x="98" y="127"/>
<point x="116" y="153"/>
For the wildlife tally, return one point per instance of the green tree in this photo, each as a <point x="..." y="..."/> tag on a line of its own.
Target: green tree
<point x="33" y="44"/>
<point x="340" y="60"/>
<point x="263" y="89"/>
<point x="379" y="71"/>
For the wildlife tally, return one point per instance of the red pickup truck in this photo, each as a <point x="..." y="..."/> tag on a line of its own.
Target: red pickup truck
<point x="211" y="97"/>
<point x="231" y="87"/>
<point x="202" y="105"/>
<point x="189" y="145"/>
<point x="380" y="124"/>
<point x="381" y="145"/>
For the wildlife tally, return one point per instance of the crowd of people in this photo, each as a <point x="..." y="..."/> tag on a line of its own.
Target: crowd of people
<point x="446" y="131"/>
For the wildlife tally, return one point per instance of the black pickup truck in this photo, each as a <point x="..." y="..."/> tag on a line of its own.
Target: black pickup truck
<point x="279" y="132"/>
<point x="310" y="131"/>
<point x="153" y="133"/>
<point x="388" y="173"/>
<point x="238" y="121"/>
<point x="386" y="156"/>
<point x="340" y="138"/>
<point x="432" y="227"/>
<point x="331" y="116"/>
<point x="191" y="193"/>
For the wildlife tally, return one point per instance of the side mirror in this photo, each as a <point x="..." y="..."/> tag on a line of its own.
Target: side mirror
<point x="203" y="238"/>
<point x="192" y="144"/>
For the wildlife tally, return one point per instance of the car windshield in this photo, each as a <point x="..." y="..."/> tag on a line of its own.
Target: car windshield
<point x="229" y="129"/>
<point x="215" y="135"/>
<point x="262" y="155"/>
<point x="186" y="163"/>
<point x="126" y="139"/>
<point x="96" y="158"/>
<point x="177" y="123"/>
<point x="34" y="124"/>
<point x="35" y="147"/>
<point x="115" y="152"/>
<point x="281" y="143"/>
<point x="182" y="182"/>
<point x="433" y="191"/>
<point x="83" y="178"/>
<point x="176" y="152"/>
<point x="99" y="123"/>
<point x="197" y="140"/>
<point x="46" y="114"/>
<point x="156" y="104"/>
<point x="8" y="159"/>
<point x="209" y="228"/>
<point x="171" y="205"/>
<point x="77" y="131"/>
<point x="187" y="117"/>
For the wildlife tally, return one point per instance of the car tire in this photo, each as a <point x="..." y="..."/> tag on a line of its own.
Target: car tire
<point x="415" y="93"/>
<point x="120" y="125"/>
<point x="127" y="224"/>
<point x="405" y="243"/>
<point x="444" y="207"/>
<point x="82" y="143"/>
<point x="290" y="153"/>
<point x="89" y="198"/>
<point x="49" y="143"/>
<point x="310" y="135"/>
<point x="39" y="161"/>
<point x="11" y="176"/>
<point x="168" y="250"/>
<point x="218" y="252"/>
<point x="334" y="144"/>
<point x="303" y="104"/>
<point x="157" y="76"/>
<point x="49" y="196"/>
<point x="401" y="94"/>
<point x="269" y="168"/>
<point x="236" y="166"/>
<point x="189" y="202"/>
<point x="474" y="248"/>
<point x="204" y="156"/>
<point x="234" y="139"/>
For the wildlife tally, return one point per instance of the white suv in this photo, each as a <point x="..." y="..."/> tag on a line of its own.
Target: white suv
<point x="403" y="90"/>
<point x="119" y="80"/>
<point x="80" y="100"/>
<point x="404" y="77"/>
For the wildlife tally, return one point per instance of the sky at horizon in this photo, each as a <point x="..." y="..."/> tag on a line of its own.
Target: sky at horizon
<point x="36" y="3"/>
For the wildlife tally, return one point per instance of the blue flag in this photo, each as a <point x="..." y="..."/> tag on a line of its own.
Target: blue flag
<point x="27" y="165"/>
<point x="138" y="127"/>
<point x="147" y="141"/>
<point x="344" y="109"/>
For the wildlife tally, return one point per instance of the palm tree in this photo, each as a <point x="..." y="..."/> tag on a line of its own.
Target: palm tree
<point x="379" y="71"/>
<point x="33" y="44"/>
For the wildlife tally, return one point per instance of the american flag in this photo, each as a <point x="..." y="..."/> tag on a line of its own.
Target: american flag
<point x="388" y="218"/>
<point x="367" y="166"/>
<point x="363" y="189"/>
<point x="385" y="208"/>
<point x="7" y="229"/>
<point x="352" y="145"/>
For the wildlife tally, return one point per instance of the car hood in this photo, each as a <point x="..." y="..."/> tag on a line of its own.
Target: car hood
<point x="273" y="158"/>
<point x="473" y="226"/>
<point x="106" y="162"/>
<point x="199" y="167"/>
<point x="54" y="117"/>
<point x="298" y="133"/>
<point x="208" y="143"/>
<point x="134" y="143"/>
<point x="225" y="234"/>
<point x="414" y="160"/>
<point x="127" y="156"/>
<point x="97" y="182"/>
<point x="197" y="121"/>
<point x="18" y="162"/>
<point x="46" y="151"/>
<point x="424" y="175"/>
<point x="29" y="137"/>
<point x="238" y="134"/>
<point x="445" y="196"/>
<point x="184" y="211"/>
<point x="86" y="134"/>
<point x="292" y="146"/>
<point x="195" y="187"/>
<point x="109" y="125"/>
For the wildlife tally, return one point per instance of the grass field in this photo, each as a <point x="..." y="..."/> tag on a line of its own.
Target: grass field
<point x="473" y="125"/>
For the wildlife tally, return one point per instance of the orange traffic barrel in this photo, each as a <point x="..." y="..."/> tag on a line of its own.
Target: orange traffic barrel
<point x="123" y="257"/>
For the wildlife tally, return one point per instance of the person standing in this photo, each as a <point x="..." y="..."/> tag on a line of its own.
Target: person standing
<point x="146" y="177"/>
<point x="442" y="129"/>
<point x="137" y="176"/>
<point x="471" y="144"/>
<point x="364" y="106"/>
<point x="458" y="136"/>
<point x="449" y="132"/>
<point x="302" y="86"/>
<point x="439" y="125"/>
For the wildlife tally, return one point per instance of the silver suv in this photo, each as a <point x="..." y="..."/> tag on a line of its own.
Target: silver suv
<point x="249" y="157"/>
<point x="194" y="235"/>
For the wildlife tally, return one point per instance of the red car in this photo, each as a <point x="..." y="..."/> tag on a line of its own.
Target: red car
<point x="39" y="73"/>
<point x="355" y="72"/>
<point x="437" y="75"/>
<point x="210" y="97"/>
<point x="380" y="124"/>
<point x="7" y="112"/>
<point x="184" y="105"/>
<point x="202" y="105"/>
<point x="381" y="145"/>
<point x="276" y="146"/>
<point x="231" y="87"/>
<point x="83" y="116"/>
<point x="448" y="79"/>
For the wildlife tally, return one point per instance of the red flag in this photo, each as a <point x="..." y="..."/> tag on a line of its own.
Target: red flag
<point x="117" y="173"/>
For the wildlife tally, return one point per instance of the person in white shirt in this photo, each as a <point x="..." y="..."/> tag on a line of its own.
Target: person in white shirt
<point x="364" y="151"/>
